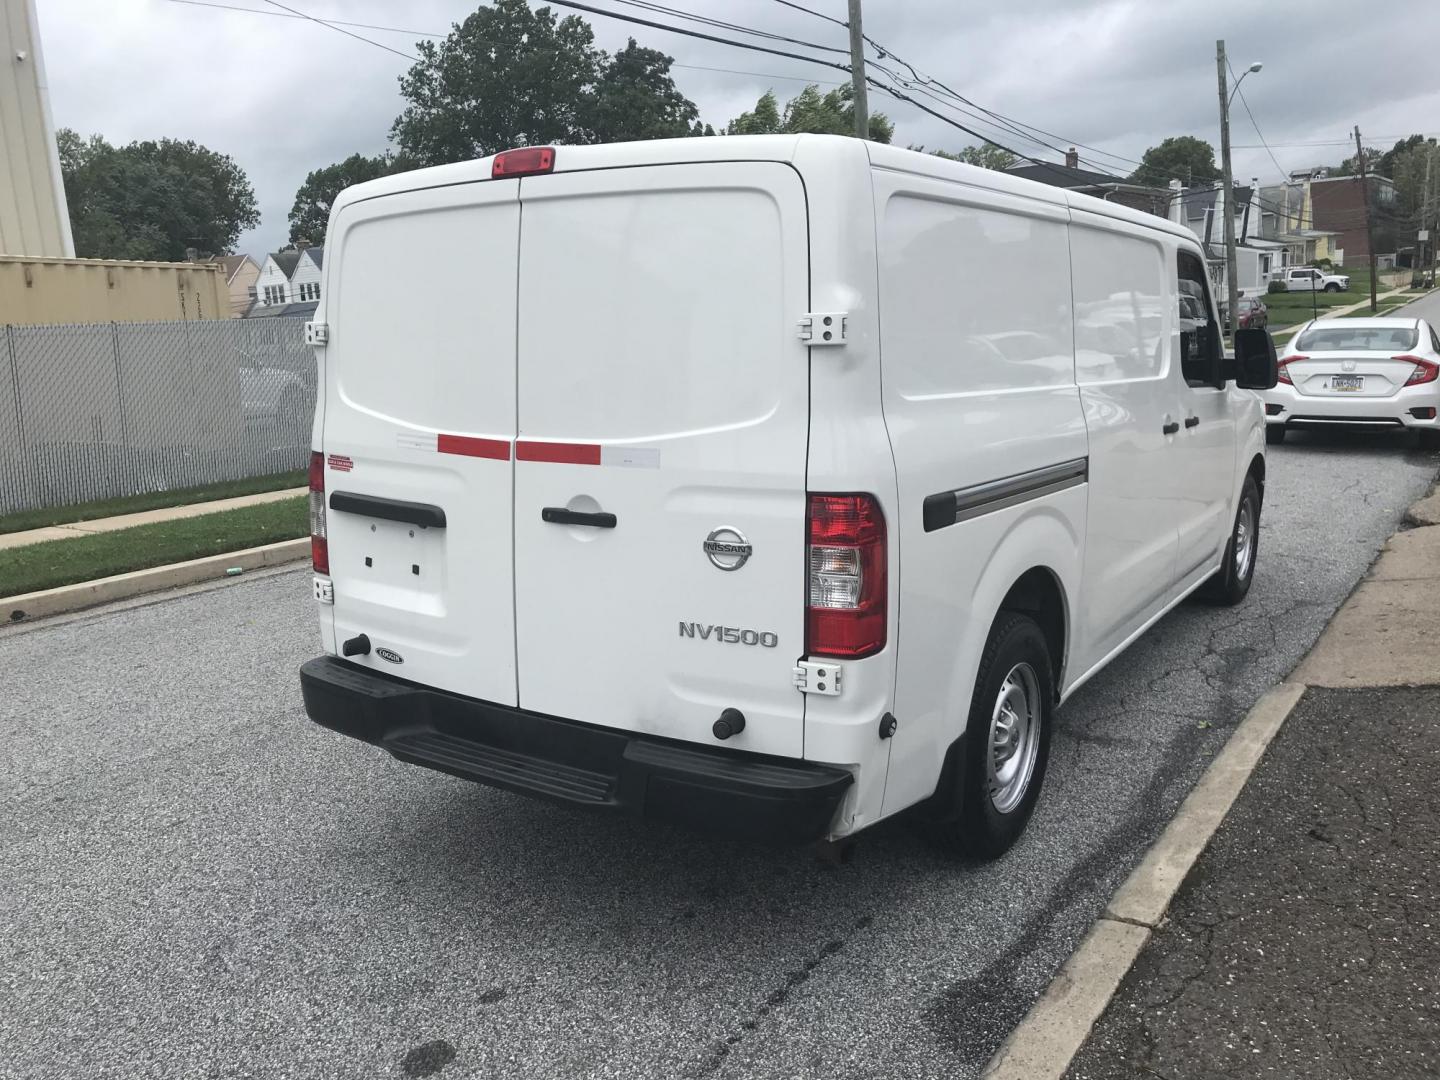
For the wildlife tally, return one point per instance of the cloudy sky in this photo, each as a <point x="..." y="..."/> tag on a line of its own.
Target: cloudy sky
<point x="283" y="96"/>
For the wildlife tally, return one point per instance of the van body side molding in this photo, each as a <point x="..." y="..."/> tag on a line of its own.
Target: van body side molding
<point x="426" y="515"/>
<point x="949" y="507"/>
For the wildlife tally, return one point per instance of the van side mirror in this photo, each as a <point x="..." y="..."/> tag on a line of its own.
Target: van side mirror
<point x="1254" y="366"/>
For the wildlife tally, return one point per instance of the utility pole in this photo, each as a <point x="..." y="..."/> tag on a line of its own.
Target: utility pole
<point x="1365" y="197"/>
<point x="857" y="72"/>
<point x="1425" y="221"/>
<point x="1227" y="191"/>
<point x="1433" y="221"/>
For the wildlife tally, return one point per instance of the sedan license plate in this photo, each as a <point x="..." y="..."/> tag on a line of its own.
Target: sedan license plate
<point x="1347" y="382"/>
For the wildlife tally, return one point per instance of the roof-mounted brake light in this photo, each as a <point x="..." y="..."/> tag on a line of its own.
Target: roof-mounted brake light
<point x="527" y="161"/>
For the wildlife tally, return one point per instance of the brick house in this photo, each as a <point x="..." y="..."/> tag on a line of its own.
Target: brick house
<point x="1337" y="204"/>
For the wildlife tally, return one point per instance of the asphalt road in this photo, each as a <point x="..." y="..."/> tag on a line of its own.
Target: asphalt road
<point x="196" y="881"/>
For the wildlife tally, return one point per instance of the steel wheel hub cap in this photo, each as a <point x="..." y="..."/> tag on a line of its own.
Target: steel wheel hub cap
<point x="1244" y="540"/>
<point x="1014" y="738"/>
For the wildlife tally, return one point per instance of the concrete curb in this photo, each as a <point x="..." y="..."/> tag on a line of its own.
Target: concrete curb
<point x="35" y="605"/>
<point x="1043" y="1044"/>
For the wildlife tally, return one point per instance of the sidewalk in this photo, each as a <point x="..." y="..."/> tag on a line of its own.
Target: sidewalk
<point x="146" y="517"/>
<point x="1305" y="943"/>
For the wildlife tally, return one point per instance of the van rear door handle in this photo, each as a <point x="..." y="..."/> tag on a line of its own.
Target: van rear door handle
<point x="1170" y="429"/>
<point x="558" y="515"/>
<point x="1192" y="421"/>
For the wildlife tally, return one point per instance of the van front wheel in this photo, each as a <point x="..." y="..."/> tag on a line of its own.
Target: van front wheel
<point x="1007" y="741"/>
<point x="1232" y="581"/>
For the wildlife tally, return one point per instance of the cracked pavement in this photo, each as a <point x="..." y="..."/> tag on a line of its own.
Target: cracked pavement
<point x="1304" y="943"/>
<point x="196" y="881"/>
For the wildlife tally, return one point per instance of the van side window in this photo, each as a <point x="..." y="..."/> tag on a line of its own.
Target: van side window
<point x="1118" y="283"/>
<point x="1199" y="332"/>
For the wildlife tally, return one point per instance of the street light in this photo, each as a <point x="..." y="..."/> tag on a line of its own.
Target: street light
<point x="1232" y="289"/>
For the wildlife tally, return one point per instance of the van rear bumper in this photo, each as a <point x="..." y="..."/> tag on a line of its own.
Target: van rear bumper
<point x="725" y="792"/>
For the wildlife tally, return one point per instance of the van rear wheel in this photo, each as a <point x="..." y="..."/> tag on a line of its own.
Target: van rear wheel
<point x="1007" y="742"/>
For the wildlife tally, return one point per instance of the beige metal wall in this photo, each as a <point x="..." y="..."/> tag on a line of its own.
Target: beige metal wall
<point x="36" y="291"/>
<point x="34" y="219"/>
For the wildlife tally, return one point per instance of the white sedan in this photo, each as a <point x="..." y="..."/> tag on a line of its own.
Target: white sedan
<point x="1366" y="373"/>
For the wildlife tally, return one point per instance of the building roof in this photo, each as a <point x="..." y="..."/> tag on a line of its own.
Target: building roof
<point x="1064" y="176"/>
<point x="274" y="311"/>
<point x="231" y="264"/>
<point x="317" y="256"/>
<point x="287" y="261"/>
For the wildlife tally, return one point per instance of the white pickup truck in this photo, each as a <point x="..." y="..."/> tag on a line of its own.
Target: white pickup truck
<point x="1309" y="279"/>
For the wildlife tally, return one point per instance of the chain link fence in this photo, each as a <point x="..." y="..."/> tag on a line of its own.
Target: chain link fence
<point x="103" y="410"/>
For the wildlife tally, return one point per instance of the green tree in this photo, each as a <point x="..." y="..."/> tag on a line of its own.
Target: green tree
<point x="984" y="155"/>
<point x="512" y="76"/>
<point x="764" y="120"/>
<point x="809" y="111"/>
<point x="152" y="200"/>
<point x="636" y="99"/>
<point x="1180" y="157"/>
<point x="310" y="215"/>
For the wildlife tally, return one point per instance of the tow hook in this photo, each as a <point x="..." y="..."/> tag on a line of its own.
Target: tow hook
<point x="359" y="645"/>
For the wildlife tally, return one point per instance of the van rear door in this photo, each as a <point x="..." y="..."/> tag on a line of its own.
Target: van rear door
<point x="663" y="402"/>
<point x="419" y="419"/>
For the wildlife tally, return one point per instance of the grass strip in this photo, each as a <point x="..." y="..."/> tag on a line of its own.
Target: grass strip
<point x="52" y="563"/>
<point x="132" y="504"/>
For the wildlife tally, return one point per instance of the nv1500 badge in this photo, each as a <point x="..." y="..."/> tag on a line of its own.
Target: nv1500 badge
<point x="729" y="635"/>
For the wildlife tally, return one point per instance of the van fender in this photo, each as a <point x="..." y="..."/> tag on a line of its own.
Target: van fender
<point x="1050" y="537"/>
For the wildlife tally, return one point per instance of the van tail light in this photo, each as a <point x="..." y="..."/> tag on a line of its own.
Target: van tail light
<point x="1281" y="374"/>
<point x="846" y="613"/>
<point x="319" y="545"/>
<point x="1425" y="370"/>
<point x="527" y="161"/>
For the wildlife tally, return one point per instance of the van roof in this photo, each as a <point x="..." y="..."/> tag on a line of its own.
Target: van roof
<point x="766" y="148"/>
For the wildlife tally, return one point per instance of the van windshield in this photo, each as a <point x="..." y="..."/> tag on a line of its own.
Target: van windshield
<point x="1388" y="339"/>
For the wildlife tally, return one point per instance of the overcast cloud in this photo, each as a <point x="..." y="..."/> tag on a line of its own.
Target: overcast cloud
<point x="284" y="96"/>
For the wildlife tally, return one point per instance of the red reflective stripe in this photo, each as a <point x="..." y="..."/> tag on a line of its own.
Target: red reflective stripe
<point x="565" y="453"/>
<point x="498" y="449"/>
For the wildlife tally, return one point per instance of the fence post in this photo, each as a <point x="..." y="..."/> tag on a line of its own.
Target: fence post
<point x="119" y="386"/>
<point x="27" y="480"/>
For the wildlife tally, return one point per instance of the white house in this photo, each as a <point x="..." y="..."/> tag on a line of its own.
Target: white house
<point x="273" y="285"/>
<point x="291" y="276"/>
<point x="305" y="280"/>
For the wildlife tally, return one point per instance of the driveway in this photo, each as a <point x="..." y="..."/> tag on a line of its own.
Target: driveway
<point x="196" y="881"/>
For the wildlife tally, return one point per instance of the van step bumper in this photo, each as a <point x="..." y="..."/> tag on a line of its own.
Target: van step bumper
<point x="724" y="792"/>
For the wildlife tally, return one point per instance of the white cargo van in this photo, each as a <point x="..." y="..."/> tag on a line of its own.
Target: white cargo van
<point x="770" y="485"/>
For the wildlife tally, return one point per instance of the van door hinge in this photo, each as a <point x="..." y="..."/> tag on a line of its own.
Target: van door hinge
<point x="317" y="333"/>
<point x="819" y="677"/>
<point x="824" y="327"/>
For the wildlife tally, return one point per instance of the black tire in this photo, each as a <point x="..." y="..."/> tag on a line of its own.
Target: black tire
<point x="1232" y="581"/>
<point x="1427" y="438"/>
<point x="1332" y="287"/>
<point x="981" y="830"/>
<point x="1274" y="434"/>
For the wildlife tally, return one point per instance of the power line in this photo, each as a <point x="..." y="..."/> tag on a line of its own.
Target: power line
<point x="342" y="30"/>
<point x="721" y="24"/>
<point x="701" y="36"/>
<point x="292" y="15"/>
<point x="817" y="14"/>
